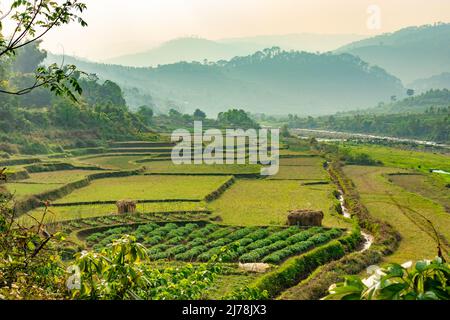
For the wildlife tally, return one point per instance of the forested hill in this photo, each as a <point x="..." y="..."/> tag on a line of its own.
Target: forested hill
<point x="410" y="54"/>
<point x="271" y="81"/>
<point x="416" y="104"/>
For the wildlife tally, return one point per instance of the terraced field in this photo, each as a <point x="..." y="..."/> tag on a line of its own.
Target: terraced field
<point x="169" y="167"/>
<point x="194" y="242"/>
<point x="21" y="190"/>
<point x="405" y="211"/>
<point x="253" y="202"/>
<point x="188" y="213"/>
<point x="147" y="188"/>
<point x="63" y="176"/>
<point x="74" y="212"/>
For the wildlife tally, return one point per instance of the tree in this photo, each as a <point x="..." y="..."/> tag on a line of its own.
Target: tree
<point x="146" y="114"/>
<point x="410" y="92"/>
<point x="199" y="115"/>
<point x="33" y="20"/>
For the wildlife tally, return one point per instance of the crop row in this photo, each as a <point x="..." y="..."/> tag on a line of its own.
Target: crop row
<point x="193" y="242"/>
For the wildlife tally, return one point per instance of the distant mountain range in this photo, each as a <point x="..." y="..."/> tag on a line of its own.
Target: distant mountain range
<point x="198" y="49"/>
<point x="270" y="81"/>
<point x="410" y="54"/>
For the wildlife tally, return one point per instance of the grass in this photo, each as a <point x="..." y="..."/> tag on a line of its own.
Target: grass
<point x="424" y="185"/>
<point x="64" y="176"/>
<point x="305" y="168"/>
<point x="228" y="283"/>
<point x="254" y="202"/>
<point x="402" y="210"/>
<point x="27" y="189"/>
<point x="146" y="188"/>
<point x="169" y="167"/>
<point x="66" y="213"/>
<point x="407" y="159"/>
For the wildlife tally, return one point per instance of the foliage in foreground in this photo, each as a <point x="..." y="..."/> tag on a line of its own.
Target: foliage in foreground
<point x="427" y="280"/>
<point x="122" y="271"/>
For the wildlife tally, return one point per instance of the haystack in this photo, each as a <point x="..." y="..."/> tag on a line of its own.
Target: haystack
<point x="126" y="206"/>
<point x="305" y="218"/>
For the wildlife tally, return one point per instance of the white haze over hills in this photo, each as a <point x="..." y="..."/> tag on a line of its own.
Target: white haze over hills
<point x="198" y="49"/>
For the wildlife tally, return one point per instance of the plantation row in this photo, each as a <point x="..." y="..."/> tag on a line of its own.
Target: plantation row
<point x="193" y="242"/>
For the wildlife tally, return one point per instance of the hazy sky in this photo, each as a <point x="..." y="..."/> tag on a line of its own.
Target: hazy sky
<point x="117" y="27"/>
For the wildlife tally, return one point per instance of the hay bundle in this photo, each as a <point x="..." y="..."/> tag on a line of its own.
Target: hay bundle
<point x="305" y="218"/>
<point x="126" y="206"/>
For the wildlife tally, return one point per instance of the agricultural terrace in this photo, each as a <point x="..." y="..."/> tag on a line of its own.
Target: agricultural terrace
<point x="195" y="242"/>
<point x="187" y="213"/>
<point x="405" y="211"/>
<point x="146" y="188"/>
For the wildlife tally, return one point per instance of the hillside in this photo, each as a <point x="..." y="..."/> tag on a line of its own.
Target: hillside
<point x="198" y="49"/>
<point x="272" y="81"/>
<point x="441" y="81"/>
<point x="411" y="53"/>
<point x="417" y="104"/>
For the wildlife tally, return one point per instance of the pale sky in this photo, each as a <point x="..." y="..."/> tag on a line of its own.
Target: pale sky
<point x="117" y="27"/>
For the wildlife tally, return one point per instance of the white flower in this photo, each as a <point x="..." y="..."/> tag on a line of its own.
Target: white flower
<point x="407" y="264"/>
<point x="372" y="269"/>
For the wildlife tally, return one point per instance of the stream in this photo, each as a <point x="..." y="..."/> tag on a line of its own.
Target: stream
<point x="342" y="136"/>
<point x="440" y="171"/>
<point x="368" y="238"/>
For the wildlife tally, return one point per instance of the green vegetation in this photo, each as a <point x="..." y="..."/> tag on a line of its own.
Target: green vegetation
<point x="406" y="212"/>
<point x="191" y="242"/>
<point x="146" y="188"/>
<point x="253" y="202"/>
<point x="169" y="167"/>
<point x="427" y="280"/>
<point x="74" y="212"/>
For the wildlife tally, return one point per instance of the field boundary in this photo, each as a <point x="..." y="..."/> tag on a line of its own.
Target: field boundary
<point x="219" y="191"/>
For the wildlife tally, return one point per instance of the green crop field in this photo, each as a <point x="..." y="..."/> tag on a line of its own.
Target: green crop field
<point x="192" y="242"/>
<point x="28" y="189"/>
<point x="404" y="210"/>
<point x="254" y="202"/>
<point x="113" y="162"/>
<point x="169" y="167"/>
<point x="65" y="213"/>
<point x="424" y="185"/>
<point x="146" y="188"/>
<point x="408" y="159"/>
<point x="63" y="176"/>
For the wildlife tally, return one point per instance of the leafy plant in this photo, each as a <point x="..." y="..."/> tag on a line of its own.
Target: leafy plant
<point x="426" y="280"/>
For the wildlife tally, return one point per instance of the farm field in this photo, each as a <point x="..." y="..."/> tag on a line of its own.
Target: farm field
<point x="301" y="168"/>
<point x="404" y="210"/>
<point x="195" y="242"/>
<point x="63" y="176"/>
<point x="113" y="162"/>
<point x="146" y="188"/>
<point x="21" y="190"/>
<point x="66" y="213"/>
<point x="424" y="185"/>
<point x="182" y="227"/>
<point x="169" y="167"/>
<point x="407" y="159"/>
<point x="253" y="202"/>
